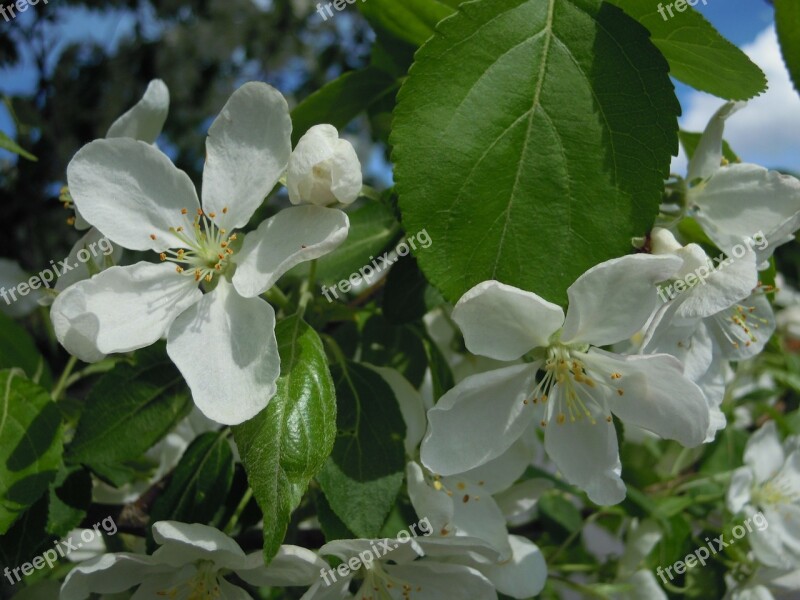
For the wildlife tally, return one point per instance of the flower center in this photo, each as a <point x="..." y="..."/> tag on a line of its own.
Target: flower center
<point x="377" y="580"/>
<point x="568" y="389"/>
<point x="209" y="246"/>
<point x="776" y="492"/>
<point x="740" y="324"/>
<point x="202" y="586"/>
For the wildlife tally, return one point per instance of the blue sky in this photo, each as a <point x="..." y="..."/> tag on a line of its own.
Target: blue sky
<point x="741" y="21"/>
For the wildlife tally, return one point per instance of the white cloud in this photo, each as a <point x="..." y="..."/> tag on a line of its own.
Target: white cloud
<point x="767" y="131"/>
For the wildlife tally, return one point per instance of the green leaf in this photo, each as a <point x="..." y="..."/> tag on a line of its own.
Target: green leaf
<point x="31" y="444"/>
<point x="394" y="346"/>
<point x="6" y="143"/>
<point x="128" y="411"/>
<point x="407" y="295"/>
<point x="413" y="21"/>
<point x="373" y="227"/>
<point x="690" y="141"/>
<point x="363" y="475"/>
<point x="787" y="22"/>
<point x="531" y="140"/>
<point x="200" y="483"/>
<point x="341" y="100"/>
<point x="17" y="349"/>
<point x="287" y="443"/>
<point x="697" y="53"/>
<point x="557" y="507"/>
<point x="70" y="497"/>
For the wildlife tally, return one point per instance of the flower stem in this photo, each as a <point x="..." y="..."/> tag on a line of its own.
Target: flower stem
<point x="61" y="385"/>
<point x="234" y="520"/>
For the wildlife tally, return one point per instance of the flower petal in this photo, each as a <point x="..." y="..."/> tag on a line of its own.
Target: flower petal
<point x="247" y="150"/>
<point x="656" y="395"/>
<point x="739" y="490"/>
<point x="323" y="169"/>
<point x="613" y="300"/>
<point x="121" y="309"/>
<point x="14" y="304"/>
<point x="411" y="406"/>
<point x="436" y="505"/>
<point x="131" y="192"/>
<point x="707" y="156"/>
<point x="147" y="117"/>
<point x="504" y="322"/>
<point x="291" y="566"/>
<point x="588" y="456"/>
<point x="500" y="473"/>
<point x="744" y="204"/>
<point x="185" y="543"/>
<point x="764" y="453"/>
<point x="744" y="329"/>
<point x="226" y="349"/>
<point x="523" y="575"/>
<point x="101" y="252"/>
<point x="434" y="581"/>
<point x="453" y="443"/>
<point x="109" y="574"/>
<point x="294" y="235"/>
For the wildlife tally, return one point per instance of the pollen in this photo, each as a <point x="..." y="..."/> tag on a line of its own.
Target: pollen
<point x="616" y="376"/>
<point x="153" y="236"/>
<point x="184" y="211"/>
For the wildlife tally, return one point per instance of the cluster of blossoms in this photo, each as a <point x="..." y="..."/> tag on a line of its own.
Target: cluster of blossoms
<point x="620" y="352"/>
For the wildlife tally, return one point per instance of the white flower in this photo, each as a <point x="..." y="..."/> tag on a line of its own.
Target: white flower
<point x="582" y="386"/>
<point x="735" y="202"/>
<point x="762" y="584"/>
<point x="323" y="169"/>
<point x="12" y="303"/>
<point x="191" y="562"/>
<point x="641" y="540"/>
<point x="223" y="341"/>
<point x="770" y="482"/>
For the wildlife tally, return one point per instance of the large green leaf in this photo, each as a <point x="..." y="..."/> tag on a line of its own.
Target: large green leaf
<point x="531" y="139"/>
<point x="364" y="473"/>
<point x="31" y="444"/>
<point x="200" y="483"/>
<point x="787" y="22"/>
<point x="287" y="443"/>
<point x="17" y="349"/>
<point x="341" y="100"/>
<point x="128" y="411"/>
<point x="697" y="53"/>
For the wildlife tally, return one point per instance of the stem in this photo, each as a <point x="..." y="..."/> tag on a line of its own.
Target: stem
<point x="232" y="522"/>
<point x="587" y="591"/>
<point x="305" y="290"/>
<point x="277" y="297"/>
<point x="61" y="386"/>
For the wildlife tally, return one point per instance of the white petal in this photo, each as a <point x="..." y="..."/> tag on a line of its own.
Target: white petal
<point x="743" y="330"/>
<point x="291" y="566"/>
<point x="411" y="406"/>
<point x="185" y="543"/>
<point x="337" y="590"/>
<point x="613" y="300"/>
<point x="247" y="151"/>
<point x="744" y="202"/>
<point x="121" y="309"/>
<point x="641" y="540"/>
<point x="707" y="157"/>
<point x="764" y="453"/>
<point x="11" y="275"/>
<point x="232" y="592"/>
<point x="455" y="443"/>
<point x="587" y="456"/>
<point x="523" y="575"/>
<point x="767" y="545"/>
<point x="519" y="501"/>
<point x="108" y="574"/>
<point x="225" y="347"/>
<point x="656" y="395"/>
<point x="295" y="235"/>
<point x="644" y="585"/>
<point x="436" y="505"/>
<point x="323" y="169"/>
<point x="687" y="340"/>
<point x="435" y="581"/>
<point x="131" y="191"/>
<point x="740" y="489"/>
<point x="504" y="322"/>
<point x="731" y="281"/>
<point x="101" y="253"/>
<point x="500" y="473"/>
<point x="146" y="119"/>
